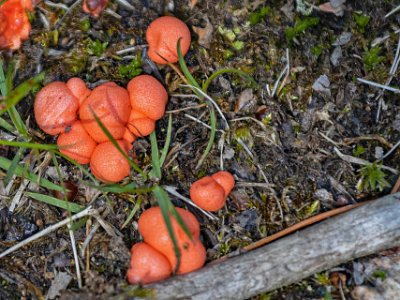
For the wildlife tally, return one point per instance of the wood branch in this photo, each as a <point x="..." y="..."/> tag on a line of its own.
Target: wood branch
<point x="362" y="231"/>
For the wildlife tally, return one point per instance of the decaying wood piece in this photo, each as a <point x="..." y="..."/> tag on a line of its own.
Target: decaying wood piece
<point x="362" y="231"/>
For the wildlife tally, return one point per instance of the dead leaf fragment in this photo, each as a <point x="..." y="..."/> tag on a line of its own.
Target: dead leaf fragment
<point x="335" y="7"/>
<point x="205" y="34"/>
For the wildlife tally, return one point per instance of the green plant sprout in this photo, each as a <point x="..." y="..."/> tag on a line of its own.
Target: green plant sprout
<point x="372" y="178"/>
<point x="300" y="26"/>
<point x="372" y="58"/>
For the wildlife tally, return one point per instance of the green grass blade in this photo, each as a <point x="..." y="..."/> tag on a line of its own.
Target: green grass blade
<point x="13" y="166"/>
<point x="164" y="202"/>
<point x="164" y="152"/>
<point x="3" y="85"/>
<point x="129" y="188"/>
<point x="10" y="76"/>
<point x="18" y="123"/>
<point x="184" y="67"/>
<point x="114" y="142"/>
<point x="213" y="124"/>
<point x="155" y="156"/>
<point x="5" y="164"/>
<point x="7" y="126"/>
<point x="29" y="145"/>
<point x="17" y="94"/>
<point x="57" y="166"/>
<point x="132" y="213"/>
<point x="73" y="207"/>
<point x="207" y="83"/>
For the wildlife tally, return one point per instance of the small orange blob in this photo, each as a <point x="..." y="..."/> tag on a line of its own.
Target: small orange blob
<point x="128" y="137"/>
<point x="55" y="108"/>
<point x="108" y="164"/>
<point x="193" y="257"/>
<point x="226" y="180"/>
<point x="155" y="233"/>
<point x="14" y="23"/>
<point x="208" y="194"/>
<point x="76" y="143"/>
<point x="78" y="88"/>
<point x="148" y="96"/>
<point x="163" y="35"/>
<point x="140" y="125"/>
<point x="147" y="265"/>
<point x="110" y="103"/>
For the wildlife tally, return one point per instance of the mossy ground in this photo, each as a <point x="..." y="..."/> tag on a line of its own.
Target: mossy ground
<point x="292" y="148"/>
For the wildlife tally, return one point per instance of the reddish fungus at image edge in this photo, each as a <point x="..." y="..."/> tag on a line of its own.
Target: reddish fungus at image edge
<point x="14" y="23"/>
<point x="94" y="7"/>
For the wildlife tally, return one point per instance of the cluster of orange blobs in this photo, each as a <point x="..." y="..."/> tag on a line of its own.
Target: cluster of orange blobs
<point x="70" y="110"/>
<point x="154" y="259"/>
<point x="73" y="111"/>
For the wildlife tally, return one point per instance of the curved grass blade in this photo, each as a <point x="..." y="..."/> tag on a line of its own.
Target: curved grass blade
<point x="155" y="156"/>
<point x="17" y="94"/>
<point x="184" y="67"/>
<point x="164" y="202"/>
<point x="20" y="172"/>
<point x="116" y="145"/>
<point x="7" y="126"/>
<point x="214" y="75"/>
<point x="14" y="164"/>
<point x="73" y="207"/>
<point x="167" y="141"/>
<point x="135" y="209"/>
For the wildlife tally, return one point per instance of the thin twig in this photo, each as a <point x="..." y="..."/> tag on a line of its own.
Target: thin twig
<point x="185" y="108"/>
<point x="392" y="11"/>
<point x="130" y="49"/>
<point x="201" y="122"/>
<point x="212" y="101"/>
<point x="126" y="4"/>
<point x="378" y="85"/>
<point x="173" y="192"/>
<point x="86" y="212"/>
<point x="76" y="258"/>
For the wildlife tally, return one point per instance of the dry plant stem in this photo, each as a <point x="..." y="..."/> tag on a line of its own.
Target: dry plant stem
<point x="329" y="139"/>
<point x="130" y="49"/>
<point x="261" y="124"/>
<point x="112" y="13"/>
<point x="173" y="192"/>
<point x="89" y="237"/>
<point x="392" y="72"/>
<point x="392" y="11"/>
<point x="378" y="85"/>
<point x="179" y="72"/>
<point x="126" y="4"/>
<point x="202" y="123"/>
<point x="391" y="150"/>
<point x="359" y="161"/>
<point x="212" y="102"/>
<point x="185" y="108"/>
<point x="373" y="137"/>
<point x="76" y="258"/>
<point x="86" y="212"/>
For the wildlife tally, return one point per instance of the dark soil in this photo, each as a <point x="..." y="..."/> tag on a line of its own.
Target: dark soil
<point x="280" y="148"/>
